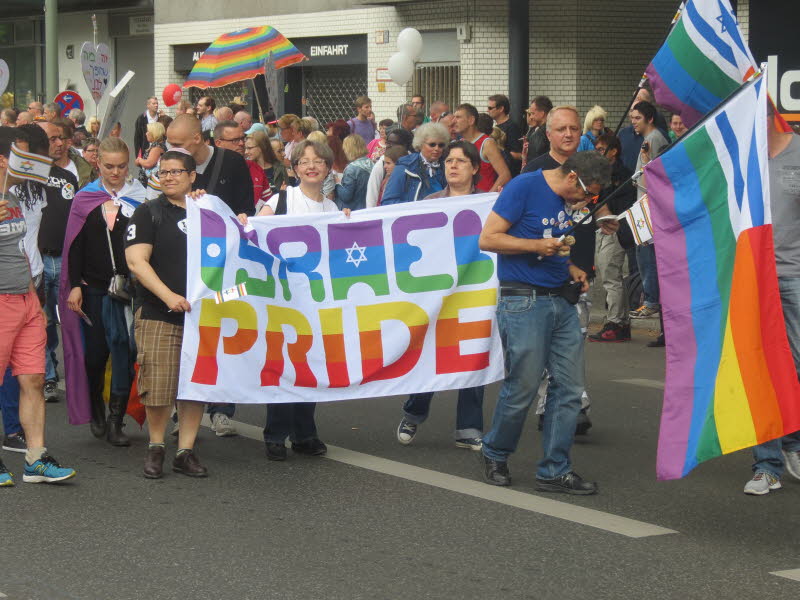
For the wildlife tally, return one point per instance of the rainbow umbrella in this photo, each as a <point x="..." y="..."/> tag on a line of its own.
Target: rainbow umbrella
<point x="240" y="55"/>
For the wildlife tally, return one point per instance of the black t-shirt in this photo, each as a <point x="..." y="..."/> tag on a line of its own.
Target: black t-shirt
<point x="513" y="143"/>
<point x="582" y="253"/>
<point x="233" y="185"/>
<point x="161" y="224"/>
<point x="89" y="258"/>
<point x="60" y="190"/>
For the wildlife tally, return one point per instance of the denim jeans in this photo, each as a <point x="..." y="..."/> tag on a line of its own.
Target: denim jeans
<point x="226" y="409"/>
<point x="9" y="404"/>
<point x="646" y="257"/>
<point x="767" y="456"/>
<point x="538" y="333"/>
<point x="52" y="275"/>
<point x="469" y="411"/>
<point x="294" y="420"/>
<point x="101" y="339"/>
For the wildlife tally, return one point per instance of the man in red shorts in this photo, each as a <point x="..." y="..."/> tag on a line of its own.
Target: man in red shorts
<point x="22" y="328"/>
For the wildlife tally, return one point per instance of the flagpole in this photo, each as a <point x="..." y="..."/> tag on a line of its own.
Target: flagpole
<point x="644" y="75"/>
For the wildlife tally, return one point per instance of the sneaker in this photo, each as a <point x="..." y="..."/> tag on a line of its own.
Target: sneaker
<point x="612" y="332"/>
<point x="568" y="483"/>
<point x="792" y="461"/>
<point x="15" y="443"/>
<point x="761" y="484"/>
<point x="406" y="432"/>
<point x="645" y="312"/>
<point x="46" y="470"/>
<point x="6" y="478"/>
<point x="312" y="447"/>
<point x="51" y="391"/>
<point x="222" y="425"/>
<point x="469" y="443"/>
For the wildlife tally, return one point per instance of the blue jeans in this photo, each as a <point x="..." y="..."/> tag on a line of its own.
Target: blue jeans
<point x="469" y="411"/>
<point x="52" y="275"/>
<point x="538" y="333"/>
<point x="9" y="404"/>
<point x="767" y="456"/>
<point x="646" y="258"/>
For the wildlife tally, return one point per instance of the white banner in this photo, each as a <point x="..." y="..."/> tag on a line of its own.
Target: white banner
<point x="393" y="300"/>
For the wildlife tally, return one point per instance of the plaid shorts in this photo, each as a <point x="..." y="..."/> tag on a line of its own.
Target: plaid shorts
<point x="159" y="358"/>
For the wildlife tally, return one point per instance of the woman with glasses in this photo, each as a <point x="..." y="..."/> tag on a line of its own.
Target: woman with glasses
<point x="312" y="161"/>
<point x="156" y="254"/>
<point x="594" y="125"/>
<point x="90" y="155"/>
<point x="419" y="174"/>
<point x="270" y="177"/>
<point x="97" y="321"/>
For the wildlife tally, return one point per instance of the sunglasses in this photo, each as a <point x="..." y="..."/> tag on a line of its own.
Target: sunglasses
<point x="586" y="193"/>
<point x="435" y="144"/>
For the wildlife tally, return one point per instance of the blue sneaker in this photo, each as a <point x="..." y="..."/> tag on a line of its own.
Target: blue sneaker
<point x="6" y="478"/>
<point x="46" y="470"/>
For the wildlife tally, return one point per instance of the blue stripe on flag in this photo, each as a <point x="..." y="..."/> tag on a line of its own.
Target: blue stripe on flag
<point x="755" y="189"/>
<point x="732" y="27"/>
<point x="705" y="301"/>
<point x="732" y="145"/>
<point x="707" y="32"/>
<point x="685" y="87"/>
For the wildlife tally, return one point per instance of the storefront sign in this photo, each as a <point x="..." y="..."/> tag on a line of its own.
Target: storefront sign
<point x="334" y="50"/>
<point x="141" y="25"/>
<point x="186" y="55"/>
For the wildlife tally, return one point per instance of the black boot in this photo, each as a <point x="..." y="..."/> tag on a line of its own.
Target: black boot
<point x="116" y="413"/>
<point x="98" y="405"/>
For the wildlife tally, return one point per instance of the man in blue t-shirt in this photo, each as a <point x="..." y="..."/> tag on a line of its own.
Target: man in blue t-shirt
<point x="538" y="325"/>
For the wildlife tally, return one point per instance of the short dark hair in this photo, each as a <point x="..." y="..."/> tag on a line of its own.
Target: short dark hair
<point x="67" y="129"/>
<point x="406" y="137"/>
<point x="210" y="102"/>
<point x="220" y="127"/>
<point x="469" y="150"/>
<point x="186" y="159"/>
<point x="418" y="96"/>
<point x="647" y="110"/>
<point x="8" y="135"/>
<point x="470" y="110"/>
<point x="590" y="167"/>
<point x="543" y="103"/>
<point x="611" y="142"/>
<point x="386" y="123"/>
<point x="37" y="138"/>
<point x="501" y="100"/>
<point x="396" y="152"/>
<point x="484" y="123"/>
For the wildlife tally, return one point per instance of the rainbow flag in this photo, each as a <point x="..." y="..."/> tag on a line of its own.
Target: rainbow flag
<point x="731" y="382"/>
<point x="240" y="55"/>
<point x="703" y="60"/>
<point x="29" y="166"/>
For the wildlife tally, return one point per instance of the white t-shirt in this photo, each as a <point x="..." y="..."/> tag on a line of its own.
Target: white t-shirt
<point x="297" y="203"/>
<point x="201" y="168"/>
<point x="72" y="169"/>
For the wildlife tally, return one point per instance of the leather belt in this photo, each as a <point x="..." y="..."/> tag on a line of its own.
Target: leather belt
<point x="529" y="291"/>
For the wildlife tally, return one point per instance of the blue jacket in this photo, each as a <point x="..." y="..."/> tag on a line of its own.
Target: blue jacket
<point x="410" y="181"/>
<point x="352" y="192"/>
<point x="588" y="140"/>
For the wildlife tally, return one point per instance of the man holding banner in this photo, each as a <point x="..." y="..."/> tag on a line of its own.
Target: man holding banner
<point x="536" y="315"/>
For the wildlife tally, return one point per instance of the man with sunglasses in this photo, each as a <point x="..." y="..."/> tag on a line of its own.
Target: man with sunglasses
<point x="537" y="318"/>
<point x="499" y="108"/>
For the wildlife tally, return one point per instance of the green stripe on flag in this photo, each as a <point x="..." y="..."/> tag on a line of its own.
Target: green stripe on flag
<point x="698" y="65"/>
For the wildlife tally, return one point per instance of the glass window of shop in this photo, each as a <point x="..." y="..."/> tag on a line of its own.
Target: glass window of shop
<point x="22" y="53"/>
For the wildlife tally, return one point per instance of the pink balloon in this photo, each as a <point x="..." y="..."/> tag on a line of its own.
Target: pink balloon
<point x="172" y="94"/>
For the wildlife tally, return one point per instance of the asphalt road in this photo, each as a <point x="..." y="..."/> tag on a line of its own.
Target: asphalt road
<point x="380" y="520"/>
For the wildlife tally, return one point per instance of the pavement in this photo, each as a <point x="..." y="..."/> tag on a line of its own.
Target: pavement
<point x="375" y="519"/>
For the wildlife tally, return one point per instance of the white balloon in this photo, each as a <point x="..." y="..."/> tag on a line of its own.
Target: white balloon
<point x="401" y="68"/>
<point x="409" y="41"/>
<point x="4" y="75"/>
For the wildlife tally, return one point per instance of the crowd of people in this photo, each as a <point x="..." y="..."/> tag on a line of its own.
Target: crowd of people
<point x="70" y="248"/>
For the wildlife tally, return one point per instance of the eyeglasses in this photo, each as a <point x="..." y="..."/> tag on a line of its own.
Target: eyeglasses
<point x="317" y="162"/>
<point x="234" y="140"/>
<point x="90" y="150"/>
<point x="586" y="193"/>
<point x="491" y="107"/>
<point x="172" y="173"/>
<point x="435" y="144"/>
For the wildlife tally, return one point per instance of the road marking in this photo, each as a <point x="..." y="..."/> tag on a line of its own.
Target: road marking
<point x="793" y="574"/>
<point x="649" y="383"/>
<point x="477" y="489"/>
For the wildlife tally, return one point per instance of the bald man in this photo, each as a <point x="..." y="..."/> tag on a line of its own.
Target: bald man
<point x="244" y="119"/>
<point x="232" y="183"/>
<point x="223" y="113"/>
<point x="24" y="118"/>
<point x="8" y="118"/>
